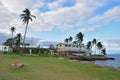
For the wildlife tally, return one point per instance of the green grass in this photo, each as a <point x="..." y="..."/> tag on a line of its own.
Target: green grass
<point x="51" y="68"/>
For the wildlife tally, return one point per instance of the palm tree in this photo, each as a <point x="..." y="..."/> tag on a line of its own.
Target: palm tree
<point x="94" y="42"/>
<point x="26" y="17"/>
<point x="66" y="40"/>
<point x="89" y="46"/>
<point x="79" y="38"/>
<point x="12" y="29"/>
<point x="103" y="51"/>
<point x="70" y="39"/>
<point x="99" y="46"/>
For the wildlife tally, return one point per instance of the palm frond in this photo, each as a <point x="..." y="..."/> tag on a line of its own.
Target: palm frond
<point x="33" y="16"/>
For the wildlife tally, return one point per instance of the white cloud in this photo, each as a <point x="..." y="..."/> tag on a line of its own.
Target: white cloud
<point x="69" y="16"/>
<point x="63" y="18"/>
<point x="16" y="6"/>
<point x="112" y="45"/>
<point x="92" y="29"/>
<point x="109" y="16"/>
<point x="56" y="4"/>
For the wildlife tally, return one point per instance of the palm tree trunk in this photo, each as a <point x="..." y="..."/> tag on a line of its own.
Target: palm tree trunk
<point x="23" y="45"/>
<point x="12" y="42"/>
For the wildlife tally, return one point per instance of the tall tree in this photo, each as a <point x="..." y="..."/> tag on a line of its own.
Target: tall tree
<point x="66" y="40"/>
<point x="26" y="16"/>
<point x="89" y="46"/>
<point x="94" y="42"/>
<point x="70" y="39"/>
<point x="99" y="46"/>
<point x="79" y="38"/>
<point x="18" y="42"/>
<point x="12" y="29"/>
<point x="103" y="51"/>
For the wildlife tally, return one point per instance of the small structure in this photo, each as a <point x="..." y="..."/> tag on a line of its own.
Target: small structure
<point x="66" y="49"/>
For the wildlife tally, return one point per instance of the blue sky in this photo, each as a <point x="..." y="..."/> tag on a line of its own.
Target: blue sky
<point x="59" y="19"/>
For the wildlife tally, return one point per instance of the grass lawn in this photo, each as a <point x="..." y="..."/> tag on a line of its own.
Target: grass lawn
<point x="51" y="68"/>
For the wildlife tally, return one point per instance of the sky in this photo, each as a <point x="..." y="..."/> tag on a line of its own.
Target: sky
<point x="60" y="19"/>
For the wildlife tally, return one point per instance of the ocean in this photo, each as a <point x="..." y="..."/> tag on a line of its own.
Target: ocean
<point x="113" y="63"/>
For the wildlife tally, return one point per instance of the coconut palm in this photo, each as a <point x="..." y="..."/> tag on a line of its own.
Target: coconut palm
<point x="79" y="38"/>
<point x="99" y="46"/>
<point x="12" y="29"/>
<point x="70" y="39"/>
<point x="66" y="40"/>
<point x="26" y="16"/>
<point x="94" y="42"/>
<point x="89" y="46"/>
<point x="103" y="51"/>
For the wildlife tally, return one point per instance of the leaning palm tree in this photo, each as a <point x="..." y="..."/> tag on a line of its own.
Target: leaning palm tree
<point x="66" y="40"/>
<point x="99" y="46"/>
<point x="89" y="46"/>
<point x="103" y="51"/>
<point x="79" y="38"/>
<point x="12" y="29"/>
<point x="70" y="39"/>
<point x="94" y="42"/>
<point x="26" y="16"/>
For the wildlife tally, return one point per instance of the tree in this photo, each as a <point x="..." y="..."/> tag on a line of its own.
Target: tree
<point x="89" y="46"/>
<point x="103" y="51"/>
<point x="70" y="39"/>
<point x="99" y="46"/>
<point x="66" y="40"/>
<point x="26" y="16"/>
<point x="94" y="42"/>
<point x="8" y="43"/>
<point x="12" y="29"/>
<point x="79" y="38"/>
<point x="18" y="42"/>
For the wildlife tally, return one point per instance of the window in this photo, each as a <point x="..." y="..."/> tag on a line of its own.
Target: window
<point x="60" y="45"/>
<point x="66" y="45"/>
<point x="69" y="45"/>
<point x="73" y="45"/>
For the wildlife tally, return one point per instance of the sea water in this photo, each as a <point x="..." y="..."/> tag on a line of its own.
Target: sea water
<point x="113" y="63"/>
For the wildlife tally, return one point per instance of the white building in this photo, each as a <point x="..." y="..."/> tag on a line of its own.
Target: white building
<point x="73" y="49"/>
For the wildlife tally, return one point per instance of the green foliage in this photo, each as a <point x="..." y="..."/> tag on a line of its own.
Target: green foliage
<point x="26" y="16"/>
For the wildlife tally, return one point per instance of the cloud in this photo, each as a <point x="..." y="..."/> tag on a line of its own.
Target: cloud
<point x="3" y="37"/>
<point x="45" y="43"/>
<point x="108" y="16"/>
<point x="92" y="29"/>
<point x="112" y="45"/>
<point x="61" y="16"/>
<point x="16" y="6"/>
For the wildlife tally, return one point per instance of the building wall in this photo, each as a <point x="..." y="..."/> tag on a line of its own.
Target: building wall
<point x="70" y="47"/>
